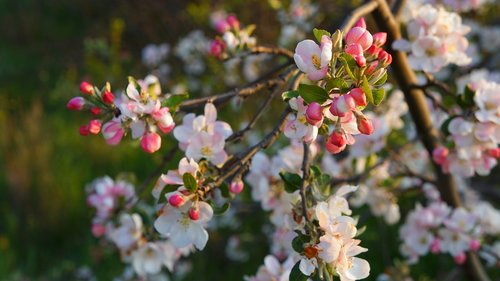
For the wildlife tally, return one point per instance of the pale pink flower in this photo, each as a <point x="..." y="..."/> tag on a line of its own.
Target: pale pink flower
<point x="313" y="59"/>
<point x="112" y="132"/>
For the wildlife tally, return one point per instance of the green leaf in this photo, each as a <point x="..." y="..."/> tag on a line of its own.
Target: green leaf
<point x="296" y="274"/>
<point x="174" y="101"/>
<point x="318" y="33"/>
<point x="344" y="59"/>
<point x="446" y="124"/>
<point x="316" y="171"/>
<point x="189" y="182"/>
<point x="467" y="99"/>
<point x="381" y="81"/>
<point x="286" y="96"/>
<point x="378" y="95"/>
<point x="298" y="244"/>
<point x="224" y="190"/>
<point x="313" y="93"/>
<point x="367" y="89"/>
<point x="220" y="210"/>
<point x="292" y="181"/>
<point x="336" y="83"/>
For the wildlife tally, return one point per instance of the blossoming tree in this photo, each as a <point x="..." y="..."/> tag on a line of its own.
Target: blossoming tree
<point x="368" y="118"/>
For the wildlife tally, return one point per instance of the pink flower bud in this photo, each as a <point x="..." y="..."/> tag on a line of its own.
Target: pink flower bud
<point x="236" y="187"/>
<point x="194" y="213"/>
<point x="460" y="258"/>
<point x="436" y="246"/>
<point x="342" y="105"/>
<point x="95" y="110"/>
<point x="113" y="132"/>
<point x="151" y="142"/>
<point x="176" y="200"/>
<point x="354" y="50"/>
<point x="474" y="245"/>
<point x="108" y="97"/>
<point x="359" y="35"/>
<point x="75" y="103"/>
<point x="95" y="126"/>
<point x="314" y="114"/>
<point x="98" y="229"/>
<point x="384" y="58"/>
<point x="84" y="130"/>
<point x="361" y="23"/>
<point x="373" y="51"/>
<point x="379" y="39"/>
<point x="365" y="126"/>
<point x="222" y="26"/>
<point x="439" y="154"/>
<point x="217" y="47"/>
<point x="233" y="22"/>
<point x="359" y="96"/>
<point x="360" y="61"/>
<point x="332" y="148"/>
<point x="373" y="65"/>
<point x="495" y="152"/>
<point x="338" y="138"/>
<point x="86" y="88"/>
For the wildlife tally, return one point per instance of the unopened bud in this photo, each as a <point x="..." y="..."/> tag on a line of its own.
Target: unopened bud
<point x="359" y="35"/>
<point x="439" y="154"/>
<point x="359" y="96"/>
<point x="460" y="258"/>
<point x="435" y="246"/>
<point x="495" y="152"/>
<point x="151" y="142"/>
<point x="337" y="41"/>
<point x="474" y="245"/>
<point x="194" y="213"/>
<point x="384" y="58"/>
<point x="332" y="148"/>
<point x="379" y="39"/>
<point x="176" y="200"/>
<point x="84" y="130"/>
<point x="361" y="23"/>
<point x="233" y="22"/>
<point x="94" y="126"/>
<point x="314" y="114"/>
<point x="365" y="126"/>
<point x="75" y="103"/>
<point x="338" y="138"/>
<point x="86" y="88"/>
<point x="108" y="97"/>
<point x="95" y="110"/>
<point x="236" y="187"/>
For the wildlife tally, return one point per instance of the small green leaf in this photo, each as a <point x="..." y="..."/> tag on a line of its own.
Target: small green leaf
<point x="220" y="210"/>
<point x="315" y="170"/>
<point x="174" y="101"/>
<point x="293" y="182"/>
<point x="446" y="124"/>
<point x="367" y="89"/>
<point x="347" y="68"/>
<point x="224" y="190"/>
<point x="378" y="95"/>
<point x="336" y="83"/>
<point x="296" y="274"/>
<point x="189" y="182"/>
<point x="467" y="99"/>
<point x="313" y="93"/>
<point x="381" y="81"/>
<point x="286" y="96"/>
<point x="318" y="33"/>
<point x="298" y="244"/>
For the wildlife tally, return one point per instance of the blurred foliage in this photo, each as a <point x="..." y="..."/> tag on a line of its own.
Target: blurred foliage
<point x="47" y="48"/>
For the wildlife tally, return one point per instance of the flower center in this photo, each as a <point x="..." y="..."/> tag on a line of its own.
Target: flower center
<point x="206" y="151"/>
<point x="316" y="61"/>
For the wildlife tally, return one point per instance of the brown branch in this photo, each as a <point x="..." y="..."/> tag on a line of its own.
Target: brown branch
<point x="421" y="117"/>
<point x="398" y="8"/>
<point x="358" y="13"/>
<point x="271" y="50"/>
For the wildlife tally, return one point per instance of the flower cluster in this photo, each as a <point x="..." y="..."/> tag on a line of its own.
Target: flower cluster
<point x="474" y="139"/>
<point x="335" y="251"/>
<point x="346" y="88"/>
<point x="233" y="38"/>
<point x="439" y="229"/>
<point x="138" y="110"/>
<point x="436" y="39"/>
<point x="203" y="136"/>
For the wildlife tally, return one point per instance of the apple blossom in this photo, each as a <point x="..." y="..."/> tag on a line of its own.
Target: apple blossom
<point x="86" y="88"/>
<point x="151" y="142"/>
<point x="312" y="58"/>
<point x="360" y="36"/>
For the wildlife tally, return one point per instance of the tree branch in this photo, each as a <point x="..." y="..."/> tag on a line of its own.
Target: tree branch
<point x="421" y="117"/>
<point x="358" y="13"/>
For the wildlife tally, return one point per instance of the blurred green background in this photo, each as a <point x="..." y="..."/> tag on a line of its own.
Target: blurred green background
<point x="46" y="49"/>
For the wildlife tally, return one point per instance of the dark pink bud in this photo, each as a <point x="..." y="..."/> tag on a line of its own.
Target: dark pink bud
<point x="108" y="97"/>
<point x="361" y="23"/>
<point x="354" y="50"/>
<point x="460" y="258"/>
<point x="474" y="245"/>
<point x="338" y="138"/>
<point x="359" y="96"/>
<point x="86" y="88"/>
<point x="176" y="200"/>
<point x="495" y="152"/>
<point x="98" y="229"/>
<point x="222" y="26"/>
<point x="373" y="51"/>
<point x="379" y="39"/>
<point x="435" y="246"/>
<point x="151" y="142"/>
<point x="332" y="148"/>
<point x="365" y="126"/>
<point x="95" y="126"/>
<point x="233" y="22"/>
<point x="359" y="35"/>
<point x="439" y="154"/>
<point x="371" y="67"/>
<point x="194" y="213"/>
<point x="217" y="47"/>
<point x="84" y="130"/>
<point x="236" y="187"/>
<point x="95" y="110"/>
<point x="360" y="61"/>
<point x="75" y="103"/>
<point x="385" y="58"/>
<point x="342" y="105"/>
<point x="314" y="114"/>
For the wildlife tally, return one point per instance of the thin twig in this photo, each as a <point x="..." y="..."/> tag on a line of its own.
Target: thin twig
<point x="271" y="50"/>
<point x="358" y="13"/>
<point x="398" y="8"/>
